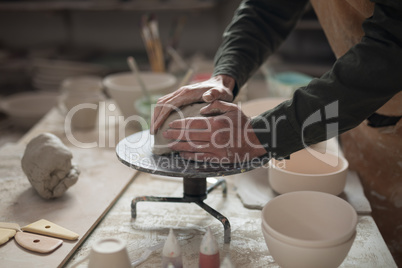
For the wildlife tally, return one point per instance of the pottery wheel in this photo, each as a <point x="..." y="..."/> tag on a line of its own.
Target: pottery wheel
<point x="135" y="151"/>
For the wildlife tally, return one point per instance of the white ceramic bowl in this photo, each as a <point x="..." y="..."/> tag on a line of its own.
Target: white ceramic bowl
<point x="26" y="109"/>
<point x="125" y="89"/>
<point x="307" y="172"/>
<point x="290" y="256"/>
<point x="309" y="219"/>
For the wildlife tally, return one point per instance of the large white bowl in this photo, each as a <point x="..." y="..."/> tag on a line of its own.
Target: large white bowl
<point x="290" y="256"/>
<point x="305" y="171"/>
<point x="26" y="109"/>
<point x="125" y="89"/>
<point x="309" y="219"/>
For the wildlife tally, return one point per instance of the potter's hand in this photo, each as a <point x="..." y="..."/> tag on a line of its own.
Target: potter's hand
<point x="219" y="87"/>
<point x="224" y="135"/>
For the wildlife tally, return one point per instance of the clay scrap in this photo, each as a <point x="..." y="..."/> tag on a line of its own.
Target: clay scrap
<point x="47" y="164"/>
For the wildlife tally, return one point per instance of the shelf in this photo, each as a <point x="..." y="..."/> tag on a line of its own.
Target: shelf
<point x="100" y="5"/>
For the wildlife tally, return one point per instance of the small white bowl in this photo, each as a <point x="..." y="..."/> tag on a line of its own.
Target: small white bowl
<point x="309" y="219"/>
<point x="125" y="89"/>
<point x="290" y="256"/>
<point x="26" y="109"/>
<point x="307" y="172"/>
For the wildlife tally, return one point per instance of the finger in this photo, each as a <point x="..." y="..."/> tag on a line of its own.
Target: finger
<point x="191" y="123"/>
<point x="196" y="146"/>
<point x="166" y="97"/>
<point x="173" y="102"/>
<point x="218" y="107"/>
<point x="154" y="115"/>
<point x="191" y="135"/>
<point x="163" y="101"/>
<point x="164" y="113"/>
<point x="158" y="117"/>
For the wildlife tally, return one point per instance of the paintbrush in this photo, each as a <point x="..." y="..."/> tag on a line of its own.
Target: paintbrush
<point x="134" y="68"/>
<point x="147" y="39"/>
<point x="157" y="45"/>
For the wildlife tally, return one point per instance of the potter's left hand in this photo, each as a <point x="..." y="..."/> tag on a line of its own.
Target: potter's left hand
<point x="224" y="134"/>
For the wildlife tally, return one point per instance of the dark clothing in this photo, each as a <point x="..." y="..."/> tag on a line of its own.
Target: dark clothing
<point x="359" y="83"/>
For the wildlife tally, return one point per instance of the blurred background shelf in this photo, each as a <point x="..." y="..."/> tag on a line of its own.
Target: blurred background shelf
<point x="136" y="5"/>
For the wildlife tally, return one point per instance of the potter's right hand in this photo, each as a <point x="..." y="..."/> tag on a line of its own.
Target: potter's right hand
<point x="219" y="87"/>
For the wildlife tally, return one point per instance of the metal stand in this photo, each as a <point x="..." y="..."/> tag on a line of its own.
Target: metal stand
<point x="194" y="191"/>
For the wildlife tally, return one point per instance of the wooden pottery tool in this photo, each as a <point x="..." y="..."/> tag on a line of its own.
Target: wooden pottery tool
<point x="37" y="243"/>
<point x="46" y="227"/>
<point x="5" y="235"/>
<point x="10" y="225"/>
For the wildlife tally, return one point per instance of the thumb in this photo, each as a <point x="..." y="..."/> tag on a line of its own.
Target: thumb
<point x="215" y="94"/>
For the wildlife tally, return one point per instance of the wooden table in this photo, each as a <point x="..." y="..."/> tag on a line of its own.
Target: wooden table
<point x="189" y="222"/>
<point x="101" y="182"/>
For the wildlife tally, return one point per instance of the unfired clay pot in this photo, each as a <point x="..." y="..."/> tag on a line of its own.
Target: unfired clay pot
<point x="307" y="172"/>
<point x="290" y="256"/>
<point x="308" y="229"/>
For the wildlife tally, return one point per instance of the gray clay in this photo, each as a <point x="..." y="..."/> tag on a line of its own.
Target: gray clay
<point x="160" y="143"/>
<point x="47" y="164"/>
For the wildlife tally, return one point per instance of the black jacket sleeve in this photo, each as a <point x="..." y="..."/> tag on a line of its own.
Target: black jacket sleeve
<point x="359" y="83"/>
<point x="256" y="31"/>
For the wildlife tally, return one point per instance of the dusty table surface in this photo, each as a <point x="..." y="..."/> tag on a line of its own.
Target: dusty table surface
<point x="80" y="208"/>
<point x="189" y="222"/>
<point x="247" y="248"/>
